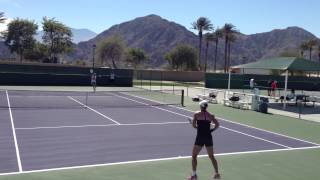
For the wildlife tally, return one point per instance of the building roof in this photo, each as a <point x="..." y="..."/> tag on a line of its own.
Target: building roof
<point x="282" y="63"/>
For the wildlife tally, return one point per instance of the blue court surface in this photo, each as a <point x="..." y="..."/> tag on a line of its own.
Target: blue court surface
<point x="127" y="128"/>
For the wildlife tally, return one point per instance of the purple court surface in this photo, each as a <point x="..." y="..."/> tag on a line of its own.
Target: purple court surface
<point x="46" y="138"/>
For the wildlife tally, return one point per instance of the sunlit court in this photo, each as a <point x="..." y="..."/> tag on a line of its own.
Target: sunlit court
<point x="154" y="90"/>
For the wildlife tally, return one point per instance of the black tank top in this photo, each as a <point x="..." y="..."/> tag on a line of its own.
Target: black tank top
<point x="203" y="126"/>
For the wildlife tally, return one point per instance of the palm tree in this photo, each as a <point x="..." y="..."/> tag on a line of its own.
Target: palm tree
<point x="209" y="37"/>
<point x="218" y="33"/>
<point x="303" y="47"/>
<point x="311" y="43"/>
<point x="2" y="18"/>
<point x="202" y="24"/>
<point x="227" y="30"/>
<point x="232" y="38"/>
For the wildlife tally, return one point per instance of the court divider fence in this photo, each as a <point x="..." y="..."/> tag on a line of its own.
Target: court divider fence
<point x="241" y="81"/>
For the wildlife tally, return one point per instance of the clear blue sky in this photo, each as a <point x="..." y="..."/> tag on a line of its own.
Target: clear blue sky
<point x="249" y="16"/>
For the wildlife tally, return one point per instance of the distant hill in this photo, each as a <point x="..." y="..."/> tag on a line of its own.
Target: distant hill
<point x="157" y="36"/>
<point x="151" y="33"/>
<point x="79" y="35"/>
<point x="269" y="44"/>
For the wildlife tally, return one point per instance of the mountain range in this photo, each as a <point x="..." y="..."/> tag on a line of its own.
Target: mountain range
<point x="156" y="36"/>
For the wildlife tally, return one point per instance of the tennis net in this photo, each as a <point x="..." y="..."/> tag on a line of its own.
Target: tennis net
<point x="84" y="99"/>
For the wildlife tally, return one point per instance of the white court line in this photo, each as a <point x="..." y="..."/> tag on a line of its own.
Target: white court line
<point x="229" y="129"/>
<point x="54" y="96"/>
<point x="14" y="135"/>
<point x="155" y="160"/>
<point x="102" y="125"/>
<point x="94" y="110"/>
<point x="290" y="137"/>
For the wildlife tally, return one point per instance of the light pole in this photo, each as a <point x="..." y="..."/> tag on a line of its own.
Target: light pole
<point x="93" y="53"/>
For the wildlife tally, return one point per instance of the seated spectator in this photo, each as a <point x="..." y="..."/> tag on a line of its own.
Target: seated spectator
<point x="289" y="96"/>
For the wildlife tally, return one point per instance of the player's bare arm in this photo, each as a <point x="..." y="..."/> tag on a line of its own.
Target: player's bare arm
<point x="194" y="121"/>
<point x="215" y="122"/>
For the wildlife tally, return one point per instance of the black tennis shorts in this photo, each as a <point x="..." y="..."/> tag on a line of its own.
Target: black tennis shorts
<point x="204" y="141"/>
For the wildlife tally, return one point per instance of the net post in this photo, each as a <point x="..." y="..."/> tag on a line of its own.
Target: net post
<point x="182" y="97"/>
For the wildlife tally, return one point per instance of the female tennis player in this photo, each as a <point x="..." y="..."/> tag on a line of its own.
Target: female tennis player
<point x="94" y="81"/>
<point x="202" y="121"/>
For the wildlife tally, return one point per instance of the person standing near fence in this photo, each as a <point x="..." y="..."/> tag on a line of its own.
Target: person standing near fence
<point x="94" y="81"/>
<point x="269" y="87"/>
<point x="273" y="88"/>
<point x="251" y="84"/>
<point x="112" y="77"/>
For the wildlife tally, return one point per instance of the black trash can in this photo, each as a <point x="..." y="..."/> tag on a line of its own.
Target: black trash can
<point x="263" y="105"/>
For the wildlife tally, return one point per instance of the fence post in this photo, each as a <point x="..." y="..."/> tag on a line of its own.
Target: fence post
<point x="161" y="80"/>
<point x="173" y="88"/>
<point x="141" y="79"/>
<point x="187" y="90"/>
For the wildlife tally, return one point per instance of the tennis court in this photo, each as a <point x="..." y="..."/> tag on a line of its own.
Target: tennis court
<point x="43" y="131"/>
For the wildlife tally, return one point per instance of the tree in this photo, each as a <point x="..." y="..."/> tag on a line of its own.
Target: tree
<point x="227" y="29"/>
<point x="311" y="43"/>
<point x="20" y="36"/>
<point x="57" y="37"/>
<point x="303" y="47"/>
<point x="201" y="25"/>
<point x="135" y="56"/>
<point x="2" y="18"/>
<point x="111" y="49"/>
<point x="183" y="57"/>
<point x="218" y="34"/>
<point x="38" y="53"/>
<point x="209" y="37"/>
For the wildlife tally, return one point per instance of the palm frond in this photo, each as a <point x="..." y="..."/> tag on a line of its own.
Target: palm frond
<point x="2" y="18"/>
<point x="218" y="33"/>
<point x="229" y="28"/>
<point x="304" y="46"/>
<point x="210" y="37"/>
<point x="312" y="42"/>
<point x="202" y="24"/>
